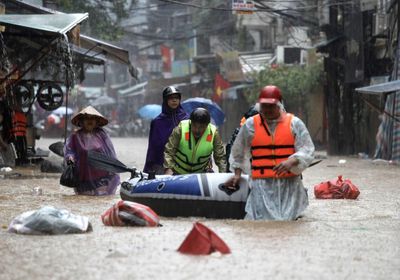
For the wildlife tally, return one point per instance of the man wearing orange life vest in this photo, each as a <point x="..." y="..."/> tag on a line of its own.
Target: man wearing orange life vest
<point x="280" y="148"/>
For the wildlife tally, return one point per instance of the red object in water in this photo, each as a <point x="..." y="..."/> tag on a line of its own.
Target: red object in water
<point x="203" y="241"/>
<point x="336" y="189"/>
<point x="143" y="213"/>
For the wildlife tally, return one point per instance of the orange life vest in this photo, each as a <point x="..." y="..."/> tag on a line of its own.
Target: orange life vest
<point x="18" y="124"/>
<point x="269" y="150"/>
<point x="242" y="121"/>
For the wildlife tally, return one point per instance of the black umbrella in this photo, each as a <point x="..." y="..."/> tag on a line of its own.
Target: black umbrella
<point x="57" y="148"/>
<point x="104" y="162"/>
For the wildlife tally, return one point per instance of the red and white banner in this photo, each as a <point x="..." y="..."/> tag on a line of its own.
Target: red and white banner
<point x="243" y="6"/>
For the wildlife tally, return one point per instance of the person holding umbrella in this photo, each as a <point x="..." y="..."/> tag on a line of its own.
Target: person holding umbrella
<point x="91" y="137"/>
<point x="161" y="127"/>
<point x="280" y="148"/>
<point x="191" y="145"/>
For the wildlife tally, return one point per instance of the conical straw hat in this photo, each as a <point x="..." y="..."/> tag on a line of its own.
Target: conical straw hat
<point x="89" y="111"/>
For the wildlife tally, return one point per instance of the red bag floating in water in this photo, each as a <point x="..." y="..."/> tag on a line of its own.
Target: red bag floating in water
<point x="336" y="189"/>
<point x="203" y="241"/>
<point x="127" y="213"/>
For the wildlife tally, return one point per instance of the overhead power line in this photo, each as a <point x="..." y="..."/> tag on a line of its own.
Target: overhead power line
<point x="262" y="7"/>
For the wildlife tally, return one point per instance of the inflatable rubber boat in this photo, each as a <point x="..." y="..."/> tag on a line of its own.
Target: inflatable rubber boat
<point x="201" y="195"/>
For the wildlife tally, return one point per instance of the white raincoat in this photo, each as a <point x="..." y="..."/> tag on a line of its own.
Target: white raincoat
<point x="274" y="198"/>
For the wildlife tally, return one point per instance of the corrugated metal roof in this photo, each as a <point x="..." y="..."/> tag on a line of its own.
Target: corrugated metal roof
<point x="110" y="51"/>
<point x="255" y="62"/>
<point x="88" y="56"/>
<point x="54" y="24"/>
<point x="381" y="88"/>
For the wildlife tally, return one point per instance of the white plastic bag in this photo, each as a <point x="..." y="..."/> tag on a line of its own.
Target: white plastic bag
<point x="49" y="220"/>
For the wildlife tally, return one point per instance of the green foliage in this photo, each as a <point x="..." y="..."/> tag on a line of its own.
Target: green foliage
<point x="296" y="83"/>
<point x="104" y="16"/>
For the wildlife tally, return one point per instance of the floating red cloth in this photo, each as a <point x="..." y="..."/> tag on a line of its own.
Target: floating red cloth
<point x="203" y="241"/>
<point x="338" y="189"/>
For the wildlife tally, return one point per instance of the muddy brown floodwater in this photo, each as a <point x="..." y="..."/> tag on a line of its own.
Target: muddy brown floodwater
<point x="336" y="239"/>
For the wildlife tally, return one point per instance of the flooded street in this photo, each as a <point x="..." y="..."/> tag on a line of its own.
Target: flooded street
<point x="336" y="239"/>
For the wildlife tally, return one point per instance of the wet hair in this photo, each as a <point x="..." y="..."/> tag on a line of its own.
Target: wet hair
<point x="200" y="115"/>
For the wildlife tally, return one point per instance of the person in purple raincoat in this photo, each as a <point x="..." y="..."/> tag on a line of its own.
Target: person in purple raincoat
<point x="91" y="137"/>
<point x="161" y="127"/>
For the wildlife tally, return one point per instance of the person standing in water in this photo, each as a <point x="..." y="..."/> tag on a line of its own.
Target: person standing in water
<point x="191" y="145"/>
<point x="280" y="148"/>
<point x="161" y="127"/>
<point x="91" y="137"/>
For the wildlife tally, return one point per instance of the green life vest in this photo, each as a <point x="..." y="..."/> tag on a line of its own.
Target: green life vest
<point x="192" y="157"/>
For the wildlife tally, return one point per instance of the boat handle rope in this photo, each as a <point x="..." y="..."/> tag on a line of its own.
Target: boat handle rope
<point x="161" y="186"/>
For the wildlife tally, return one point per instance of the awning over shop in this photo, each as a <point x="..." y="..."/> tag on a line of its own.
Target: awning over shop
<point x="88" y="57"/>
<point x="135" y="90"/>
<point x="40" y="32"/>
<point x="322" y="46"/>
<point x="109" y="51"/>
<point x="50" y="23"/>
<point x="381" y="88"/>
<point x="119" y="86"/>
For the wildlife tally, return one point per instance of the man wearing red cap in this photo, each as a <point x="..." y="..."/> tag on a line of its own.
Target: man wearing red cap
<point x="280" y="148"/>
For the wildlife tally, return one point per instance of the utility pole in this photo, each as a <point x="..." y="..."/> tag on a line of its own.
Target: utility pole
<point x="332" y="97"/>
<point x="398" y="40"/>
<point x="398" y="21"/>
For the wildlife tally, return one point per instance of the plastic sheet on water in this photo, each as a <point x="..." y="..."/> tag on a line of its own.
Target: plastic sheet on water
<point x="49" y="220"/>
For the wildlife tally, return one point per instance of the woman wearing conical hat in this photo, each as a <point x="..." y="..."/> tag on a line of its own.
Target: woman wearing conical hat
<point x="91" y="137"/>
